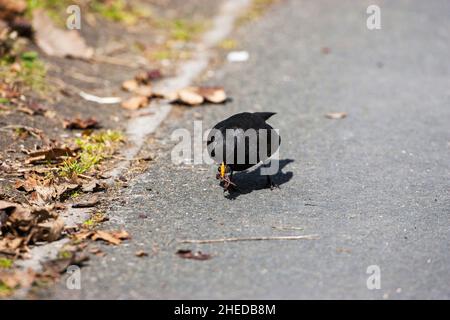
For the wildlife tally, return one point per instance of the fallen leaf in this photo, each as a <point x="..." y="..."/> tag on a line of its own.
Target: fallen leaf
<point x="146" y="77"/>
<point x="188" y="254"/>
<point x="59" y="266"/>
<point x="145" y="90"/>
<point x="190" y="97"/>
<point x="55" y="154"/>
<point x="112" y="237"/>
<point x="97" y="251"/>
<point x="81" y="124"/>
<point x="33" y="109"/>
<point x="141" y="253"/>
<point x="58" y="42"/>
<point x="14" y="279"/>
<point x="212" y="94"/>
<point x="93" y="186"/>
<point x="336" y="115"/>
<point x="130" y="85"/>
<point x="31" y="224"/>
<point x="135" y="103"/>
<point x="10" y="8"/>
<point x="197" y="95"/>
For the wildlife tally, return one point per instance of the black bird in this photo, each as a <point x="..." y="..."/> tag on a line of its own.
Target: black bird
<point x="242" y="148"/>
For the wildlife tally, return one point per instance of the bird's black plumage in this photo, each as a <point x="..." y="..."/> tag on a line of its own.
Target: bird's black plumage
<point x="243" y="139"/>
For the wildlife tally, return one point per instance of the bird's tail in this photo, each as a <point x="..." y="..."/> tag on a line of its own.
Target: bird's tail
<point x="264" y="115"/>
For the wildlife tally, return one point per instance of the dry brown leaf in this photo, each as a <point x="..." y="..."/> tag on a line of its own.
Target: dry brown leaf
<point x="58" y="266"/>
<point x="121" y="234"/>
<point x="97" y="251"/>
<point x="10" y="245"/>
<point x="188" y="254"/>
<point x="105" y="236"/>
<point x="32" y="224"/>
<point x="130" y="85"/>
<point x="141" y="253"/>
<point x="58" y="42"/>
<point x="193" y="96"/>
<point x="113" y="237"/>
<point x="10" y="8"/>
<point x="190" y="97"/>
<point x="336" y="115"/>
<point x="27" y="185"/>
<point x="148" y="76"/>
<point x="14" y="279"/>
<point x="80" y="236"/>
<point x="135" y="103"/>
<point x="93" y="186"/>
<point x="50" y="230"/>
<point x="145" y="91"/>
<point x="57" y="154"/>
<point x="212" y="94"/>
<point x="82" y="124"/>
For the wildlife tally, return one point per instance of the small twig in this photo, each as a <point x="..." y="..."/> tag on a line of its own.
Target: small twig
<point x="286" y="228"/>
<point x="304" y="237"/>
<point x="85" y="176"/>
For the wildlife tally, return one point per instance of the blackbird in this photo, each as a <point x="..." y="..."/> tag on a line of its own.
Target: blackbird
<point x="241" y="142"/>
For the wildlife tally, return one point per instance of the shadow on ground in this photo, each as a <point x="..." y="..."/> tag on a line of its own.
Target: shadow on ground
<point x="248" y="182"/>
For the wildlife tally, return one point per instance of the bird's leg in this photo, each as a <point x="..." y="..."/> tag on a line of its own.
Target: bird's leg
<point x="272" y="185"/>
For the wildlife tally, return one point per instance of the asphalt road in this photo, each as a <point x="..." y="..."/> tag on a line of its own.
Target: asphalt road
<point x="374" y="186"/>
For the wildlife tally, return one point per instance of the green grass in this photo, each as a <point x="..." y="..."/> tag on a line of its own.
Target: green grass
<point x="4" y="101"/>
<point x="94" y="220"/>
<point x="64" y="254"/>
<point x="4" y="290"/>
<point x="113" y="10"/>
<point x="30" y="75"/>
<point x="6" y="263"/>
<point x="56" y="9"/>
<point x="228" y="44"/>
<point x="119" y="11"/>
<point x="256" y="10"/>
<point x="181" y="29"/>
<point x="94" y="149"/>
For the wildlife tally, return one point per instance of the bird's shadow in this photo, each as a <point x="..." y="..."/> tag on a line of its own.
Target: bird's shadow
<point x="248" y="182"/>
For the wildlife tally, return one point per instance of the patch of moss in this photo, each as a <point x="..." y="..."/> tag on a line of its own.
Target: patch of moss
<point x="182" y="29"/>
<point x="6" y="263"/>
<point x="94" y="149"/>
<point x="64" y="254"/>
<point x="94" y="220"/>
<point x="120" y="11"/>
<point x="26" y="71"/>
<point x="256" y="10"/>
<point x="228" y="44"/>
<point x="56" y="9"/>
<point x="4" y="101"/>
<point x="5" y="290"/>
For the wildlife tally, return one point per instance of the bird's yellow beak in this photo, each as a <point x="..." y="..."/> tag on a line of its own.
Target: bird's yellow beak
<point x="222" y="170"/>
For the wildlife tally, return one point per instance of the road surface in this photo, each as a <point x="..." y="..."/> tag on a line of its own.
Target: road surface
<point x="374" y="186"/>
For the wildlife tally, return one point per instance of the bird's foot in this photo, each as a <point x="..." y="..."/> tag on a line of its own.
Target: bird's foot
<point x="272" y="185"/>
